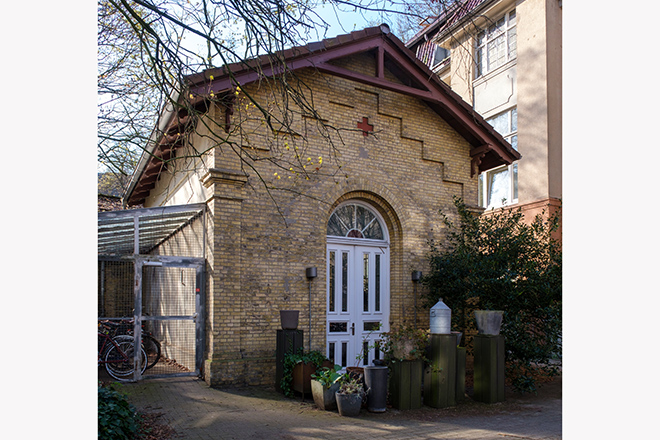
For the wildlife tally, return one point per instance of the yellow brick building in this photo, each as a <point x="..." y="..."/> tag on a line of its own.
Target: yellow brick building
<point x="346" y="176"/>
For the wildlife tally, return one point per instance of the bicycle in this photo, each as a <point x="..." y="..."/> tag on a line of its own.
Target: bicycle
<point x="149" y="342"/>
<point x="117" y="354"/>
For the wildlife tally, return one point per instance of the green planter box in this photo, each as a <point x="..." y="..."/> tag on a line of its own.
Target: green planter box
<point x="489" y="368"/>
<point x="440" y="375"/>
<point x="461" y="354"/>
<point x="405" y="385"/>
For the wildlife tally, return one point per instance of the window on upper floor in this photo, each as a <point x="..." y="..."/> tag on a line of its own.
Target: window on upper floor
<point x="499" y="186"/>
<point x="496" y="45"/>
<point x="439" y="56"/>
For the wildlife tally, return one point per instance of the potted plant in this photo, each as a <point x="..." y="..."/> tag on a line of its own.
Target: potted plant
<point x="405" y="351"/>
<point x="325" y="383"/>
<point x="349" y="396"/>
<point x="297" y="370"/>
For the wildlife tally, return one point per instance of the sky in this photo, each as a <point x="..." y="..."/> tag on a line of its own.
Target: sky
<point x="343" y="22"/>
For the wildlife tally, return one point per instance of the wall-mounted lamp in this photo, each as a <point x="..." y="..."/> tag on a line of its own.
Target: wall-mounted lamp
<point x="310" y="272"/>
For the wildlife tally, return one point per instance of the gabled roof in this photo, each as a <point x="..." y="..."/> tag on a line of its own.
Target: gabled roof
<point x="489" y="149"/>
<point x="467" y="10"/>
<point x="456" y="14"/>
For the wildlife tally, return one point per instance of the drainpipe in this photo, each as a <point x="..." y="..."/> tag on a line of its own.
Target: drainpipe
<point x="311" y="274"/>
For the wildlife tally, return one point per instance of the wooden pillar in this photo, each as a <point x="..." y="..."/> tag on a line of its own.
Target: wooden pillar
<point x="489" y="368"/>
<point x="406" y="384"/>
<point x="288" y="342"/>
<point x="440" y="375"/>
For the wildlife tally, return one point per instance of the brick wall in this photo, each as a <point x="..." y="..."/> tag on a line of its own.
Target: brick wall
<point x="407" y="168"/>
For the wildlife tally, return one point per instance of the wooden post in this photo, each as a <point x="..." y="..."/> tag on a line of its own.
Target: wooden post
<point x="288" y="342"/>
<point x="406" y="384"/>
<point x="461" y="354"/>
<point x="489" y="368"/>
<point x="440" y="375"/>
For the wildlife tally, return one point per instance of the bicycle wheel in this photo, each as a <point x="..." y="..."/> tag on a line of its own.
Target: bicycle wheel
<point x="152" y="347"/>
<point x="119" y="359"/>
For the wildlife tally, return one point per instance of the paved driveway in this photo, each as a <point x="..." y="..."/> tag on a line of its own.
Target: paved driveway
<point x="198" y="412"/>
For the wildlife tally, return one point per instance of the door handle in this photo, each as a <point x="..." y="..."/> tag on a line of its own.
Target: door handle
<point x="353" y="329"/>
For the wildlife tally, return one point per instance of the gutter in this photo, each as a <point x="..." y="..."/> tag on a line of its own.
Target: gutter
<point x="444" y="33"/>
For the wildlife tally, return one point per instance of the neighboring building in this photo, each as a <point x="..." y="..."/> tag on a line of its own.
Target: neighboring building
<point x="505" y="58"/>
<point x="406" y="144"/>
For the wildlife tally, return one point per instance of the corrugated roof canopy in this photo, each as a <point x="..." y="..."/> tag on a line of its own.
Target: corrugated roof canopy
<point x="118" y="234"/>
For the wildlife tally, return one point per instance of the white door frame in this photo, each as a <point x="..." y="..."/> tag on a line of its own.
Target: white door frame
<point x="355" y="302"/>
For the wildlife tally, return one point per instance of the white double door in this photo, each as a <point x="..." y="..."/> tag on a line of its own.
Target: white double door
<point x="358" y="302"/>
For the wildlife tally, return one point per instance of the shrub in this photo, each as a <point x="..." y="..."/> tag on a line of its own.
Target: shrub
<point x="118" y="420"/>
<point x="498" y="261"/>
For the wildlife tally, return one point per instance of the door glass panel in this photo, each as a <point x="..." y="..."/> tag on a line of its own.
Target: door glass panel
<point x="371" y="326"/>
<point x="344" y="353"/>
<point x="365" y="284"/>
<point x="377" y="284"/>
<point x="362" y="217"/>
<point x="344" y="281"/>
<point x="331" y="290"/>
<point x="373" y="230"/>
<point x="338" y="327"/>
<point x="355" y="221"/>
<point x="331" y="352"/>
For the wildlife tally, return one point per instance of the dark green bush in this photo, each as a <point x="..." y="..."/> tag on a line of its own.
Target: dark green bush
<point x="118" y="420"/>
<point x="499" y="261"/>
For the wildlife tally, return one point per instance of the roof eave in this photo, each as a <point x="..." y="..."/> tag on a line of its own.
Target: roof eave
<point x="164" y="120"/>
<point x="425" y="86"/>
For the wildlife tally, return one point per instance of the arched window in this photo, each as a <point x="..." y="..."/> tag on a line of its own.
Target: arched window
<point x="354" y="220"/>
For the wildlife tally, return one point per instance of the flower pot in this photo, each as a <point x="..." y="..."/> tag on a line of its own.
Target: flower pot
<point x="302" y="377"/>
<point x="324" y="397"/>
<point x="348" y="404"/>
<point x="289" y="319"/>
<point x="488" y="321"/>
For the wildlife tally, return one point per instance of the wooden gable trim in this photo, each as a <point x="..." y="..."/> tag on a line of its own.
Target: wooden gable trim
<point x="390" y="53"/>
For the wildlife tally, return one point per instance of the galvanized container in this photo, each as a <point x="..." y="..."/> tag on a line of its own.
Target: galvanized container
<point x="440" y="319"/>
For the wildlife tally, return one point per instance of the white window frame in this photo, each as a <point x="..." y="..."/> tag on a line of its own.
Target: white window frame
<point x="434" y="57"/>
<point x="510" y="134"/>
<point x="499" y="36"/>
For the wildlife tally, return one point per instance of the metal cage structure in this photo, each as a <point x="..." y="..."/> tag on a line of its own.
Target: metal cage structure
<point x="151" y="285"/>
